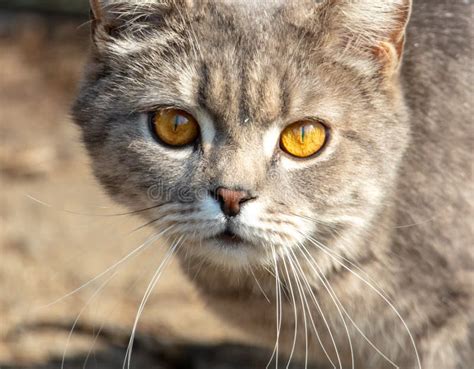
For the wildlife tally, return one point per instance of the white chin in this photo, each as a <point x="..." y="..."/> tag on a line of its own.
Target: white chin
<point x="232" y="254"/>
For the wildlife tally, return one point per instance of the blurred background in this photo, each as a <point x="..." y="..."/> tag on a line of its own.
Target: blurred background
<point x="54" y="237"/>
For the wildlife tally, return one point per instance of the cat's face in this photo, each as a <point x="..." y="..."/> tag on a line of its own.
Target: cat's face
<point x="244" y="74"/>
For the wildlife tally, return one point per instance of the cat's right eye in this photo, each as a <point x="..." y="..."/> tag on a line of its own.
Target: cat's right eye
<point x="175" y="127"/>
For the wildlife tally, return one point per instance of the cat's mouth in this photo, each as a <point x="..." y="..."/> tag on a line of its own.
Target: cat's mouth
<point x="228" y="238"/>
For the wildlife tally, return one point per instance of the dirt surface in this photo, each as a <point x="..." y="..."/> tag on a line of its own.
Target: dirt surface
<point x="54" y="236"/>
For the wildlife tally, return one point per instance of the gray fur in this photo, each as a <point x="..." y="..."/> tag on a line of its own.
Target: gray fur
<point x="391" y="193"/>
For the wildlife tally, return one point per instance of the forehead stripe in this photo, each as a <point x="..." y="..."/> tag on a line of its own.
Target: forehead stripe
<point x="203" y="85"/>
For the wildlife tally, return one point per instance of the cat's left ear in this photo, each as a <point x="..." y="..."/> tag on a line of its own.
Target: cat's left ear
<point x="373" y="27"/>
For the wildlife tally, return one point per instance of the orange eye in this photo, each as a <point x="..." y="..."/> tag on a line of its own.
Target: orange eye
<point x="303" y="139"/>
<point x="175" y="127"/>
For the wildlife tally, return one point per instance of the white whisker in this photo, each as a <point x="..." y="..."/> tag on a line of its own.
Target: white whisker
<point x="334" y="231"/>
<point x="313" y="297"/>
<point x="151" y="239"/>
<point x="333" y="296"/>
<point x="258" y="284"/>
<point x="275" y="352"/>
<point x="94" y="341"/>
<point x="94" y="295"/>
<point x="149" y="290"/>
<point x="290" y="285"/>
<point x="386" y="300"/>
<point x="292" y="263"/>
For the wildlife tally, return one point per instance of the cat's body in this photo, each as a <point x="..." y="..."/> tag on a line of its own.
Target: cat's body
<point x="384" y="211"/>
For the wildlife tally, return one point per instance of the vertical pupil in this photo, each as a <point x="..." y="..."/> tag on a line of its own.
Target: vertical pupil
<point x="176" y="122"/>
<point x="302" y="133"/>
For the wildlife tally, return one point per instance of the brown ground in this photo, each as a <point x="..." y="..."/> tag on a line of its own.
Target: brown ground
<point x="46" y="252"/>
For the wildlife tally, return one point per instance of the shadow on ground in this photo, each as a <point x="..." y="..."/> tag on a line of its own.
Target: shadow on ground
<point x="151" y="353"/>
<point x="225" y="356"/>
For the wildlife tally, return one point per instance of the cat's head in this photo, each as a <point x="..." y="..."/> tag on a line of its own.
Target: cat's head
<point x="247" y="126"/>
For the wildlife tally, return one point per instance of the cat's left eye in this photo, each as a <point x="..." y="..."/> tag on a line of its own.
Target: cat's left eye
<point x="175" y="127"/>
<point x="303" y="139"/>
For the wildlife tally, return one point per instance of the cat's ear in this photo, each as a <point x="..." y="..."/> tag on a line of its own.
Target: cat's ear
<point x="96" y="9"/>
<point x="121" y="23"/>
<point x="103" y="21"/>
<point x="373" y="27"/>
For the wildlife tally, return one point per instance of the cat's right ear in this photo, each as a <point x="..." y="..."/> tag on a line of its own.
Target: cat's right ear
<point x="96" y="13"/>
<point x="96" y="10"/>
<point x="120" y="25"/>
<point x="100" y="21"/>
<point x="108" y="19"/>
<point x="111" y="25"/>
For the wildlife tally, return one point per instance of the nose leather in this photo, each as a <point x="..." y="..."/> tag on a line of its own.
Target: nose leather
<point x="231" y="200"/>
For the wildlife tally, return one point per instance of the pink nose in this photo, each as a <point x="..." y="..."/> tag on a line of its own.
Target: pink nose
<point x="231" y="200"/>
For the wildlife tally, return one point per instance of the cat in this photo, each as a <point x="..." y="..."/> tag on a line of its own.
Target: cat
<point x="309" y="161"/>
